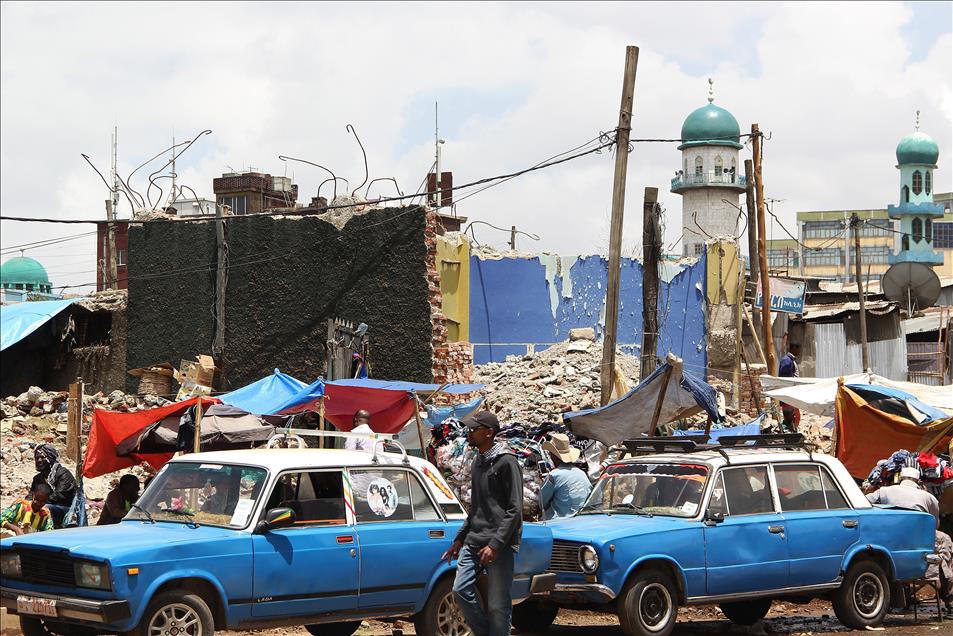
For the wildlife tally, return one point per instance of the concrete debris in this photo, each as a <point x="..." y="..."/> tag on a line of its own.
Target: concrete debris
<point x="585" y="333"/>
<point x="106" y="300"/>
<point x="540" y="387"/>
<point x="352" y="205"/>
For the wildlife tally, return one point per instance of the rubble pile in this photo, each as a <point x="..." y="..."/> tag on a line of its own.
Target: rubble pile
<point x="540" y="387"/>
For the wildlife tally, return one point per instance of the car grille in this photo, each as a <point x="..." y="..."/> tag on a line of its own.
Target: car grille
<point x="50" y="568"/>
<point x="565" y="557"/>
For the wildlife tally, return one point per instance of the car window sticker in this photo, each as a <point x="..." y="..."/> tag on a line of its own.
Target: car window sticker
<point x="242" y="510"/>
<point x="382" y="497"/>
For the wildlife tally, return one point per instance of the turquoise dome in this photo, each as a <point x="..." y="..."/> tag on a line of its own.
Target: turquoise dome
<point x="25" y="271"/>
<point x="917" y="148"/>
<point x="710" y="125"/>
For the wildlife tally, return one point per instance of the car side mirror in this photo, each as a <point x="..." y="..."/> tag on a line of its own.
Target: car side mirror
<point x="713" y="518"/>
<point x="276" y="518"/>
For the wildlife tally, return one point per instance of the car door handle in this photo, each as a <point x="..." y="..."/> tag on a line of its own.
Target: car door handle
<point x="345" y="538"/>
<point x="776" y="529"/>
<point x="850" y="523"/>
<point x="435" y="534"/>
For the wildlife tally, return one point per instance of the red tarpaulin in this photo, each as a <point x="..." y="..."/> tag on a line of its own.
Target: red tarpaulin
<point x="109" y="428"/>
<point x="389" y="410"/>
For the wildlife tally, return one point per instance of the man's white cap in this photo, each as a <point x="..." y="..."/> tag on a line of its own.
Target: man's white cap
<point x="909" y="472"/>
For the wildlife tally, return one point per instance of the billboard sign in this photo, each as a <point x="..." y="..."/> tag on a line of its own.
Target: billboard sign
<point x="786" y="295"/>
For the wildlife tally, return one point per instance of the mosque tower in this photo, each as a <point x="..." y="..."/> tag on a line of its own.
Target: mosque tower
<point x="710" y="180"/>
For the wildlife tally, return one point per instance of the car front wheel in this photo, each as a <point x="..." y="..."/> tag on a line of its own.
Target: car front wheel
<point x="176" y="614"/>
<point x="746" y="612"/>
<point x="441" y="615"/>
<point x="862" y="599"/>
<point x="648" y="605"/>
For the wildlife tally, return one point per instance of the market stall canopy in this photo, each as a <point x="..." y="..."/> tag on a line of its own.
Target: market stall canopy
<point x="817" y="395"/>
<point x="390" y="403"/>
<point x="224" y="427"/>
<point x="631" y="415"/>
<point x="264" y="396"/>
<point x="19" y="320"/>
<point x="865" y="434"/>
<point x="110" y="428"/>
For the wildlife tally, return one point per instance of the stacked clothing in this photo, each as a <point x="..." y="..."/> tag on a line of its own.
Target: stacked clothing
<point x="936" y="471"/>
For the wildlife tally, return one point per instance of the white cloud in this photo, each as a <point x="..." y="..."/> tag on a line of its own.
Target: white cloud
<point x="832" y="83"/>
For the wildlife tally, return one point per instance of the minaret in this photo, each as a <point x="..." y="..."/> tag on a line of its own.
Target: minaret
<point x="710" y="179"/>
<point x="917" y="154"/>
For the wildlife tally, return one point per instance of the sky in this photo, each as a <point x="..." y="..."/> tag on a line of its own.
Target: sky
<point x="834" y="86"/>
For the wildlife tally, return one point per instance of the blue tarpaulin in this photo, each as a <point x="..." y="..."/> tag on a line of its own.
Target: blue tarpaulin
<point x="437" y="414"/>
<point x="751" y="428"/>
<point x="20" y="320"/>
<point x="265" y="396"/>
<point x="874" y="392"/>
<point x="410" y="387"/>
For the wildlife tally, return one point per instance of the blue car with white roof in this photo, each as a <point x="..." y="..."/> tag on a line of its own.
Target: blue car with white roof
<point x="253" y="539"/>
<point x="733" y="525"/>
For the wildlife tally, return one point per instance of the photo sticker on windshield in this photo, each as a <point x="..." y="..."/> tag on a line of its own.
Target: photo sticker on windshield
<point x="382" y="497"/>
<point x="690" y="508"/>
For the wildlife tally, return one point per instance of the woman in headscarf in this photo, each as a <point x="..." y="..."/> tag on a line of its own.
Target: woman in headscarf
<point x="60" y="480"/>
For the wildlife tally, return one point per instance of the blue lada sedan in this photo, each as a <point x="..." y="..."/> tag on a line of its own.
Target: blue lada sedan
<point x="734" y="527"/>
<point x="259" y="538"/>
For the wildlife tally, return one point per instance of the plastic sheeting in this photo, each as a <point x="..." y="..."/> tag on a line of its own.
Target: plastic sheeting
<point x="816" y="395"/>
<point x="437" y="414"/>
<point x="414" y="387"/>
<point x="631" y="415"/>
<point x="20" y="320"/>
<point x="750" y="428"/>
<point x="265" y="396"/>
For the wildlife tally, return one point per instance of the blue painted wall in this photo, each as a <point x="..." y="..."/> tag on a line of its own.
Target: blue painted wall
<point x="511" y="307"/>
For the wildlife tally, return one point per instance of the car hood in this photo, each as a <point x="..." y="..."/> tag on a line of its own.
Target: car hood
<point x="592" y="528"/>
<point x="110" y="542"/>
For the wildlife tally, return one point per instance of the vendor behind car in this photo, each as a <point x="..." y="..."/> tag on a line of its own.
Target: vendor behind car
<point x="119" y="501"/>
<point x="25" y="516"/>
<point x="565" y="488"/>
<point x="361" y="424"/>
<point x="788" y="368"/>
<point x="60" y="480"/>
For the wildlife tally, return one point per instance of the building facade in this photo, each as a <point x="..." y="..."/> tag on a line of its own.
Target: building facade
<point x="253" y="192"/>
<point x="103" y="255"/>
<point x="827" y="249"/>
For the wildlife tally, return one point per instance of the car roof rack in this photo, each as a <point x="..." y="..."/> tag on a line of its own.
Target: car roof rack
<point x="665" y="444"/>
<point x="778" y="440"/>
<point x="282" y="435"/>
<point x="699" y="443"/>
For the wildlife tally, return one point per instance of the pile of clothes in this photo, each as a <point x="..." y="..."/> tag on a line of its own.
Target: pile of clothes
<point x="936" y="471"/>
<point x="450" y="452"/>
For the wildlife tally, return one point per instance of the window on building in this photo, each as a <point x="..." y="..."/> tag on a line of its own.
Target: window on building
<point x="699" y="167"/>
<point x="238" y="204"/>
<point x="917" y="226"/>
<point x="876" y="227"/>
<point x="29" y="286"/>
<point x="917" y="182"/>
<point x="823" y="229"/>
<point x="875" y="254"/>
<point x="905" y="243"/>
<point x="904" y="194"/>
<point x="928" y="230"/>
<point x="719" y="167"/>
<point x="120" y="257"/>
<point x="823" y="257"/>
<point x="943" y="236"/>
<point x="928" y="182"/>
<point x="698" y="249"/>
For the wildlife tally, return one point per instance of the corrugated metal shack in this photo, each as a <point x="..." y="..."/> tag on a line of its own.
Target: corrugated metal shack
<point x="830" y="339"/>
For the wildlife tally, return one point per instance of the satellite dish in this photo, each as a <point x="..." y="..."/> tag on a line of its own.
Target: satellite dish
<point x="912" y="284"/>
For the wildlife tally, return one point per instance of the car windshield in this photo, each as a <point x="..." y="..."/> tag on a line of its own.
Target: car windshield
<point x="673" y="490"/>
<point x="207" y="494"/>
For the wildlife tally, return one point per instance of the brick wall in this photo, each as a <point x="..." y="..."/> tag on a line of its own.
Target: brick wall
<point x="748" y="403"/>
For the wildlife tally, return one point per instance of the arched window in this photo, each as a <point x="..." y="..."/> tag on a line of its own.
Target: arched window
<point x="917" y="230"/>
<point x="719" y="166"/>
<point x="929" y="230"/>
<point x="699" y="167"/>
<point x="905" y="243"/>
<point x="928" y="182"/>
<point x="917" y="182"/>
<point x="904" y="194"/>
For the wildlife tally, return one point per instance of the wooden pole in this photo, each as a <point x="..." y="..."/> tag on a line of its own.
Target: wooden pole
<point x="321" y="421"/>
<point x="218" y="339"/>
<point x="739" y="345"/>
<point x="753" y="255"/>
<point x="111" y="238"/>
<point x="770" y="360"/>
<point x="660" y="401"/>
<point x="420" y="425"/>
<point x="651" y="254"/>
<point x="865" y="348"/>
<point x="757" y="340"/>
<point x="74" y="423"/>
<point x="197" y="442"/>
<point x="615" y="233"/>
<point x="513" y="238"/>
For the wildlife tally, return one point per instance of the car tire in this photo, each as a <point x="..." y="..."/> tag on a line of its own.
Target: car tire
<point x="746" y="612"/>
<point x="534" y="615"/>
<point x="333" y="629"/>
<point x="863" y="598"/>
<point x="441" y="616"/>
<point x="172" y="606"/>
<point x="648" y="605"/>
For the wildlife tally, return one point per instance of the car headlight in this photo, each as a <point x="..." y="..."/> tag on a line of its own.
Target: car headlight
<point x="10" y="564"/>
<point x="588" y="559"/>
<point x="93" y="575"/>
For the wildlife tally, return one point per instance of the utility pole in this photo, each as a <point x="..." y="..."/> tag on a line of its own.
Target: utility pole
<point x="513" y="238"/>
<point x="651" y="254"/>
<point x="218" y="342"/>
<point x="753" y="257"/>
<point x="112" y="206"/>
<point x="756" y="139"/>
<point x="865" y="349"/>
<point x="615" y="233"/>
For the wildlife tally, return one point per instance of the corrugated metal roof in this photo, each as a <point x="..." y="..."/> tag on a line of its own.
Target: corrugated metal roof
<point x="876" y="307"/>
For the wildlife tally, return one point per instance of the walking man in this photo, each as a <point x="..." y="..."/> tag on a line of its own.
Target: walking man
<point x="788" y="368"/>
<point x="490" y="537"/>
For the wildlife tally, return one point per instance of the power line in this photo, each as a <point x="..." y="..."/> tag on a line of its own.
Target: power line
<point x="44" y="243"/>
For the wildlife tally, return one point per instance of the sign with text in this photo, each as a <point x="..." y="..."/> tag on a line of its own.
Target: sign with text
<point x="786" y="295"/>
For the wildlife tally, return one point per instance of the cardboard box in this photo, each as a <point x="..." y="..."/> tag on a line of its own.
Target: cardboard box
<point x="197" y="377"/>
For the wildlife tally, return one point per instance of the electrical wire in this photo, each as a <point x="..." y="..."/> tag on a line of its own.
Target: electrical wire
<point x="44" y="243"/>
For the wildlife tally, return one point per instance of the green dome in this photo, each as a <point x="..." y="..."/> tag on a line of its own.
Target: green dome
<point x="710" y="125"/>
<point x="917" y="148"/>
<point x="23" y="270"/>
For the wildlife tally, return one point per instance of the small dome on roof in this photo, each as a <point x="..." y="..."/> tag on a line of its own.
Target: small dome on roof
<point x="710" y="125"/>
<point x="25" y="271"/>
<point x="917" y="148"/>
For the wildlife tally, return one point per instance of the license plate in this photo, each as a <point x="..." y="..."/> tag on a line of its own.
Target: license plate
<point x="38" y="606"/>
